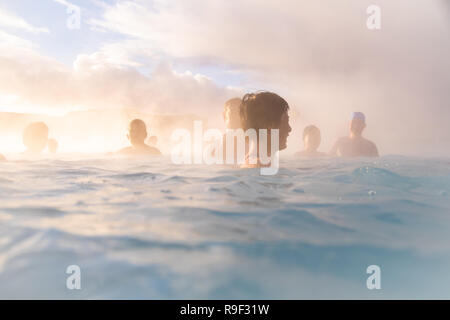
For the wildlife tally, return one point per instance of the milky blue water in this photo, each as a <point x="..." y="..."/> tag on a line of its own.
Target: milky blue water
<point x="150" y="229"/>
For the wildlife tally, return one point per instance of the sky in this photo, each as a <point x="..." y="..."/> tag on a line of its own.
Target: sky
<point x="178" y="56"/>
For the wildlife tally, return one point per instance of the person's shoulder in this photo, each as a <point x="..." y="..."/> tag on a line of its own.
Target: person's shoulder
<point x="371" y="147"/>
<point x="147" y="150"/>
<point x="126" y="150"/>
<point x="370" y="143"/>
<point x="154" y="151"/>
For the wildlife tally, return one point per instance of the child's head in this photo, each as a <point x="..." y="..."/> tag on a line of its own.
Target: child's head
<point x="311" y="138"/>
<point x="35" y="137"/>
<point x="137" y="132"/>
<point x="231" y="114"/>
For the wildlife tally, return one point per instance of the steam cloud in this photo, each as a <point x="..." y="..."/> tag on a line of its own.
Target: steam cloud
<point x="318" y="55"/>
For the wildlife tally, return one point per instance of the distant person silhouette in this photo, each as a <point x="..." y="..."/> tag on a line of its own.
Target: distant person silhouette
<point x="52" y="146"/>
<point x="137" y="133"/>
<point x="232" y="118"/>
<point x="264" y="110"/>
<point x="35" y="137"/>
<point x="311" y="141"/>
<point x="231" y="114"/>
<point x="355" y="145"/>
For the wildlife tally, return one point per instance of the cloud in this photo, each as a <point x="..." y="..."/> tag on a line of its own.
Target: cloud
<point x="8" y="19"/>
<point x="319" y="55"/>
<point x="63" y="2"/>
<point x="12" y="40"/>
<point x="96" y="82"/>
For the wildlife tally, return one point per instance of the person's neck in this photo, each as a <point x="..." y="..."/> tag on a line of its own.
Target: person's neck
<point x="355" y="136"/>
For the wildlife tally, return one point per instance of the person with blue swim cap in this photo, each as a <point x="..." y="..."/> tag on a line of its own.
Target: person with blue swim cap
<point x="355" y="145"/>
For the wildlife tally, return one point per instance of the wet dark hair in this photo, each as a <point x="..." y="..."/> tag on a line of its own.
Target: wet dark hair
<point x="262" y="110"/>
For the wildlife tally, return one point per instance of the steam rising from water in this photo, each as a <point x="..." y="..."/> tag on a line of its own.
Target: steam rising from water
<point x="319" y="56"/>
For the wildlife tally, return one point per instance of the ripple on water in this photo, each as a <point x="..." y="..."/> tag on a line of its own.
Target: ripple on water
<point x="215" y="233"/>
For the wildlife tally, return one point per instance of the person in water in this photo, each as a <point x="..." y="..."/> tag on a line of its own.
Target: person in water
<point x="355" y="145"/>
<point x="264" y="110"/>
<point x="52" y="146"/>
<point x="137" y="133"/>
<point x="231" y="114"/>
<point x="232" y="119"/>
<point x="35" y="137"/>
<point x="311" y="141"/>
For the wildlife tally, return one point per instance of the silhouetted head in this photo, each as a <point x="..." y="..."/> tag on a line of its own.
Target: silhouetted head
<point x="231" y="113"/>
<point x="35" y="137"/>
<point x="152" y="141"/>
<point x="137" y="132"/>
<point x="311" y="138"/>
<point x="52" y="145"/>
<point x="266" y="110"/>
<point x="357" y="124"/>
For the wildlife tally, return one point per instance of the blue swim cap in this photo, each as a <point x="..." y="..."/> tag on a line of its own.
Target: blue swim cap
<point x="358" y="115"/>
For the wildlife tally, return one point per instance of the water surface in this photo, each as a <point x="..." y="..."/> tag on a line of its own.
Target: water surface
<point x="150" y="229"/>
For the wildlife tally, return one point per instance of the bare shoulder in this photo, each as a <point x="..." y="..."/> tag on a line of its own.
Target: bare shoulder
<point x="343" y="140"/>
<point x="371" y="148"/>
<point x="126" y="150"/>
<point x="370" y="144"/>
<point x="154" y="151"/>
